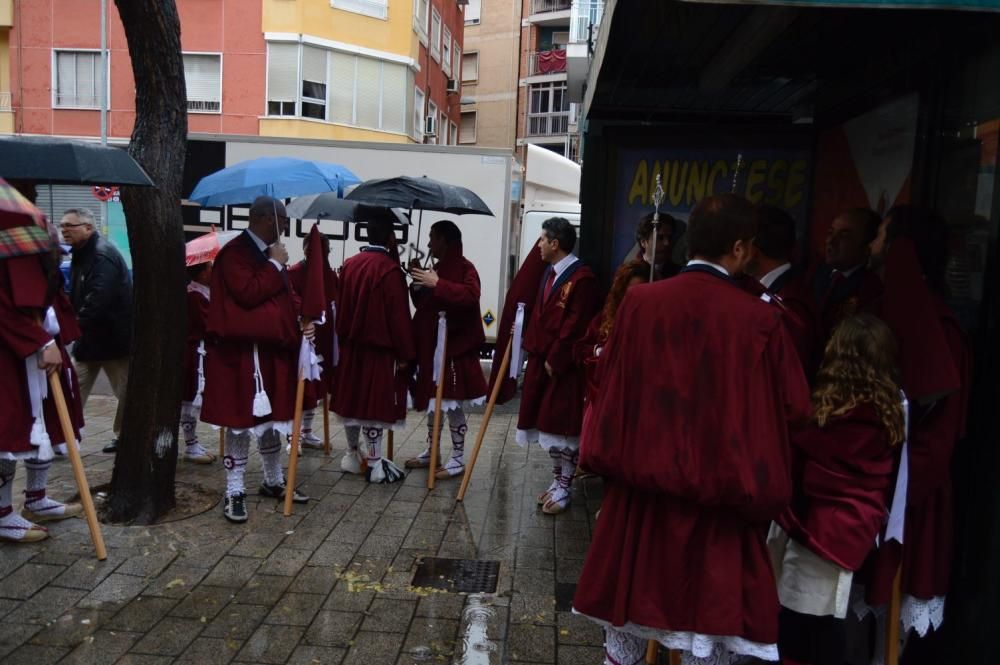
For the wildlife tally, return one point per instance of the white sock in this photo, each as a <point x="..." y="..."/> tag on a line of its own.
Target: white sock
<point x="36" y="477"/>
<point x="459" y="427"/>
<point x="307" y="420"/>
<point x="569" y="458"/>
<point x="270" y="455"/>
<point x="235" y="461"/>
<point x="189" y="423"/>
<point x="373" y="443"/>
<point x="7" y="469"/>
<point x="621" y="648"/>
<point x="353" y="434"/>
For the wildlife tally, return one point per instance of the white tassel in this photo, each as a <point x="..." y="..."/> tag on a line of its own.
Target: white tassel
<point x="261" y="402"/>
<point x="515" y="344"/>
<point x="442" y="333"/>
<point x="310" y="368"/>
<point x="897" y="513"/>
<point x="196" y="402"/>
<point x="40" y="439"/>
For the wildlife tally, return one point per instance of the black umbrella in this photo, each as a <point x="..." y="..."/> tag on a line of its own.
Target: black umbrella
<point x="328" y="206"/>
<point x="63" y="161"/>
<point x="420" y="194"/>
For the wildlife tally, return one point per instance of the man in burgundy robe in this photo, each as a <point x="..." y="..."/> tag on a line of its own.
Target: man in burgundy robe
<point x="554" y="385"/>
<point x="376" y="349"/>
<point x="198" y="296"/>
<point x="699" y="384"/>
<point x="326" y="342"/>
<point x="451" y="287"/>
<point x="36" y="324"/>
<point x="665" y="236"/>
<point x="251" y="362"/>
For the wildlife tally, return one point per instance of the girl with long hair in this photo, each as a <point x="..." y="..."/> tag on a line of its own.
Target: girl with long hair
<point x="844" y="466"/>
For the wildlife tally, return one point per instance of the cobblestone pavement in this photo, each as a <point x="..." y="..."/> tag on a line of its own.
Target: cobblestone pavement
<point x="331" y="584"/>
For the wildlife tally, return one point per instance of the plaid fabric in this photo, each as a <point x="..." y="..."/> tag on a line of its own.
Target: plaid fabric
<point x="24" y="240"/>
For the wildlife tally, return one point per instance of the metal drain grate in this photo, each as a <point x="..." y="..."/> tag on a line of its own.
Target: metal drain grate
<point x="564" y="596"/>
<point x="457" y="575"/>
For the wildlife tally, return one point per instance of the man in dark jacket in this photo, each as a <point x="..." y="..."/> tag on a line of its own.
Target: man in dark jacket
<point x="101" y="293"/>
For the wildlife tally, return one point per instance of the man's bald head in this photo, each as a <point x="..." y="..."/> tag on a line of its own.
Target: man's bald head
<point x="265" y="211"/>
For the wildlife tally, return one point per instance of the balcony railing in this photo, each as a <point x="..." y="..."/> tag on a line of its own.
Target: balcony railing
<point x="584" y="20"/>
<point x="543" y="6"/>
<point x="548" y="124"/>
<point x="552" y="61"/>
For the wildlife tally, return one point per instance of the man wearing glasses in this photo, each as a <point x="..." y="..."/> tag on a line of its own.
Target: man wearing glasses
<point x="101" y="293"/>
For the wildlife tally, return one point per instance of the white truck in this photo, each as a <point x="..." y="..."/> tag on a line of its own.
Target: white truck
<point x="551" y="189"/>
<point x="490" y="173"/>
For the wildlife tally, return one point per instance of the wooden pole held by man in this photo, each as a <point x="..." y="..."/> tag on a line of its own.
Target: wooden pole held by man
<point x="436" y="432"/>
<point x="504" y="364"/>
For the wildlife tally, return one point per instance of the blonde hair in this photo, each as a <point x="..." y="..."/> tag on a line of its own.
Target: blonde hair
<point x="859" y="367"/>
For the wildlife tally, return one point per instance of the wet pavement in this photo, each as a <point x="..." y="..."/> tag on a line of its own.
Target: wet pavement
<point x="330" y="584"/>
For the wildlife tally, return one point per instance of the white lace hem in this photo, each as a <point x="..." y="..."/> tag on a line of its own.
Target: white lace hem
<point x="398" y="426"/>
<point x="698" y="645"/>
<point x="58" y="448"/>
<point x="546" y="440"/>
<point x="452" y="404"/>
<point x="281" y="426"/>
<point x="920" y="615"/>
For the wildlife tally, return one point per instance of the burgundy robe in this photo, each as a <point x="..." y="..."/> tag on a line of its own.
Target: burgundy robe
<point x="699" y="384"/>
<point x="22" y="305"/>
<point x="373" y="322"/>
<point x="843" y="482"/>
<point x="456" y="294"/>
<point x="197" y="318"/>
<point x="796" y="314"/>
<point x="833" y="302"/>
<point x="554" y="404"/>
<point x="324" y="332"/>
<point x="252" y="302"/>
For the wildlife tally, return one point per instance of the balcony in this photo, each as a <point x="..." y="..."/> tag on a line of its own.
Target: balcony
<point x="548" y="124"/>
<point x="550" y="12"/>
<point x="543" y="63"/>
<point x="585" y="21"/>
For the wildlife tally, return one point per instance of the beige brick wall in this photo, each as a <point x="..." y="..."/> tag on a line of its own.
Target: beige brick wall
<point x="496" y="38"/>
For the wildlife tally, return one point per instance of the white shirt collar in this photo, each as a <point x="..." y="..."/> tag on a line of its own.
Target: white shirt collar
<point x="771" y="277"/>
<point x="848" y="273"/>
<point x="702" y="262"/>
<point x="261" y="245"/>
<point x="565" y="262"/>
<point x="196" y="287"/>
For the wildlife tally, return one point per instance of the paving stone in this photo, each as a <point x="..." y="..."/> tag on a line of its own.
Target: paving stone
<point x="8" y="605"/>
<point x="263" y="590"/>
<point x="88" y="572"/>
<point x="285" y="561"/>
<point x="439" y="636"/>
<point x="333" y="629"/>
<point x="114" y="592"/>
<point x="532" y="643"/>
<point x="144" y="659"/>
<point x="536" y="537"/>
<point x="314" y="579"/>
<point x="236" y="622"/>
<point x="535" y="557"/>
<point x="532" y="608"/>
<point x="45" y="606"/>
<point x="389" y="616"/>
<point x="574" y="655"/>
<point x="256" y="545"/>
<point x="441" y="605"/>
<point x="176" y="581"/>
<point x="575" y="629"/>
<point x="14" y="557"/>
<point x="271" y="644"/>
<point x="371" y="647"/>
<point x="26" y="580"/>
<point x="102" y="648"/>
<point x="530" y="580"/>
<point x="141" y="614"/>
<point x="232" y="571"/>
<point x="150" y="564"/>
<point x="71" y="628"/>
<point x="170" y="637"/>
<point x="204" y="601"/>
<point x="296" y="609"/>
<point x="306" y="538"/>
<point x="14" y="635"/>
<point x="34" y="654"/>
<point x="400" y="508"/>
<point x="571" y="548"/>
<point x="380" y="546"/>
<point x="333" y="553"/>
<point x="392" y="526"/>
<point x="210" y="650"/>
<point x="315" y="655"/>
<point x="344" y="600"/>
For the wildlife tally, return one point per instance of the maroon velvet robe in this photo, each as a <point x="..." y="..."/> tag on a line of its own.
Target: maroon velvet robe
<point x="554" y="404"/>
<point x="456" y="294"/>
<point x="699" y="384"/>
<point x="324" y="332"/>
<point x="843" y="482"/>
<point x="832" y="303"/>
<point x="22" y="305"/>
<point x="373" y="322"/>
<point x="197" y="317"/>
<point x="796" y="314"/>
<point x="252" y="302"/>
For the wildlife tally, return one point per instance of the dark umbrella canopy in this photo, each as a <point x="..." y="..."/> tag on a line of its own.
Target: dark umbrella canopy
<point x="328" y="206"/>
<point x="420" y="194"/>
<point x="64" y="161"/>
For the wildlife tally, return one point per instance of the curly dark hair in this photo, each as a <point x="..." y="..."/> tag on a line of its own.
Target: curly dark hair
<point x="626" y="273"/>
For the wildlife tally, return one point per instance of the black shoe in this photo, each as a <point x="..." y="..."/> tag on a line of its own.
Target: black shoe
<point x="111" y="447"/>
<point x="235" y="508"/>
<point x="278" y="492"/>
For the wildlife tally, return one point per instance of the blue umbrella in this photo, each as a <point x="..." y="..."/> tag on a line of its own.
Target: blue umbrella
<point x="280" y="177"/>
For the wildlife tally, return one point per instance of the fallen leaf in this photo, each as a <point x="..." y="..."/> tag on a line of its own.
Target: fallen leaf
<point x="173" y="584"/>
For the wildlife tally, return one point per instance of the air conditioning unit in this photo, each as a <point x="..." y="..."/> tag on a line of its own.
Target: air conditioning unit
<point x="430" y="126"/>
<point x="452" y="86"/>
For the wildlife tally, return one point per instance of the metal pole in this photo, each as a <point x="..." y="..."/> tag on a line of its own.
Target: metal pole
<point x="657" y="200"/>
<point x="104" y="102"/>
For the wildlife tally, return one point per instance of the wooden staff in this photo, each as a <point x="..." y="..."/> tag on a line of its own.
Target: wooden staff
<point x="892" y="627"/>
<point x="74" y="457"/>
<point x="652" y="650"/>
<point x="501" y="376"/>
<point x="675" y="658"/>
<point x="436" y="432"/>
<point x="326" y="423"/>
<point x="293" y="455"/>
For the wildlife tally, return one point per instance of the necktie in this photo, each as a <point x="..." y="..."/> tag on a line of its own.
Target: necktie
<point x="549" y="281"/>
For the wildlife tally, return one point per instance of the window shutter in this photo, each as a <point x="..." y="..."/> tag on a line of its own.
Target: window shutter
<point x="282" y="72"/>
<point x="341" y="90"/>
<point x="203" y="76"/>
<point x="313" y="64"/>
<point x="369" y="85"/>
<point x="467" y="131"/>
<point x="473" y="11"/>
<point x="394" y="94"/>
<point x="86" y="85"/>
<point x="65" y="79"/>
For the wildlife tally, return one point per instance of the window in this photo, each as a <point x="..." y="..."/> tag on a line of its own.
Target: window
<point x="473" y="12"/>
<point x="340" y="97"/>
<point x="453" y="133"/>
<point x="446" y="51"/>
<point x="313" y="83"/>
<point x="432" y="112"/>
<point x="435" y="35"/>
<point x="443" y="128"/>
<point x="373" y="8"/>
<point x="77" y="79"/>
<point x="420" y="15"/>
<point x="457" y="59"/>
<point x="282" y="78"/>
<point x="548" y="109"/>
<point x="467" y="130"/>
<point x="418" y="114"/>
<point x="470" y="67"/>
<point x="203" y="77"/>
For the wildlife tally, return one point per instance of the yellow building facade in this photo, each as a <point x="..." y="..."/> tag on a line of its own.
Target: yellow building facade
<point x="6" y="109"/>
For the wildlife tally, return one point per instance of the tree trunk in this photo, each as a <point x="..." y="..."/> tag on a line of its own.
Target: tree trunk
<point x="142" y="486"/>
